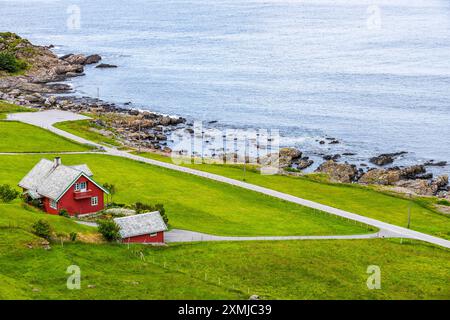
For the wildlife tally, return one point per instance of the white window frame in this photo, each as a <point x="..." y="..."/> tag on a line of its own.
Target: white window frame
<point x="53" y="204"/>
<point x="153" y="234"/>
<point x="78" y="186"/>
<point x="94" y="201"/>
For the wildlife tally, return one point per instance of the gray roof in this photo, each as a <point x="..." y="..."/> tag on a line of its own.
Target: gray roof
<point x="140" y="224"/>
<point x="83" y="168"/>
<point x="52" y="181"/>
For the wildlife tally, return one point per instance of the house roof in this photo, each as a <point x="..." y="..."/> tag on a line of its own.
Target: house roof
<point x="52" y="181"/>
<point x="83" y="168"/>
<point x="140" y="224"/>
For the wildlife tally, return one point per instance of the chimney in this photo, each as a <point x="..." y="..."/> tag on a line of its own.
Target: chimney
<point x="56" y="162"/>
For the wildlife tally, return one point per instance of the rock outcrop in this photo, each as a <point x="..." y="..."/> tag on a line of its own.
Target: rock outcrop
<point x="425" y="187"/>
<point x="287" y="156"/>
<point x="338" y="172"/>
<point x="386" y="158"/>
<point x="391" y="176"/>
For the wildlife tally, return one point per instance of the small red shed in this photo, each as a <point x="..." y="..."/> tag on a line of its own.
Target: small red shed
<point x="142" y="228"/>
<point x="60" y="187"/>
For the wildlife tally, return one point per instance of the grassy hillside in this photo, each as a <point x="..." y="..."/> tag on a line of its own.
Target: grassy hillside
<point x="273" y="270"/>
<point x="354" y="198"/>
<point x="20" y="137"/>
<point x="17" y="215"/>
<point x="192" y="202"/>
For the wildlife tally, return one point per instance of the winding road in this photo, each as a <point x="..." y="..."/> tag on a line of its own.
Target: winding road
<point x="46" y="119"/>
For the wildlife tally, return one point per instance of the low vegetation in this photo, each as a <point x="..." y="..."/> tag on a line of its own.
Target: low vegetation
<point x="13" y="49"/>
<point x="42" y="229"/>
<point x="8" y="193"/>
<point x="9" y="63"/>
<point x="109" y="229"/>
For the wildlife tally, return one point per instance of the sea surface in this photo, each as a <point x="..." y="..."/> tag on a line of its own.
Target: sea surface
<point x="373" y="74"/>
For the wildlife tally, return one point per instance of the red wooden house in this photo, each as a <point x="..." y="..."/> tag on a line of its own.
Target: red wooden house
<point x="142" y="228"/>
<point x="60" y="187"/>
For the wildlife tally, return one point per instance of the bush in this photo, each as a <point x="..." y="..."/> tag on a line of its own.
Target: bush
<point x="64" y="213"/>
<point x="73" y="236"/>
<point x="42" y="229"/>
<point x="142" y="208"/>
<point x="9" y="63"/>
<point x="7" y="193"/>
<point x="109" y="229"/>
<point x="444" y="202"/>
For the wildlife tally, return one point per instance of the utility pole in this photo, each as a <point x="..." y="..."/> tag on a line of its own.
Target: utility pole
<point x="409" y="210"/>
<point x="139" y="139"/>
<point x="245" y="157"/>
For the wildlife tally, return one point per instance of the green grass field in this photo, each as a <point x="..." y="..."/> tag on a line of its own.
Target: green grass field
<point x="320" y="269"/>
<point x="17" y="215"/>
<point x="21" y="137"/>
<point x="192" y="202"/>
<point x="354" y="198"/>
<point x="323" y="269"/>
<point x="86" y="129"/>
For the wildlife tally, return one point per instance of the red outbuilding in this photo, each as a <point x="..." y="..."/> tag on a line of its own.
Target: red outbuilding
<point x="142" y="228"/>
<point x="60" y="187"/>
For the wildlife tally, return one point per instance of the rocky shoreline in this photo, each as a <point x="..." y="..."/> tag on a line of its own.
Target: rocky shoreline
<point x="41" y="87"/>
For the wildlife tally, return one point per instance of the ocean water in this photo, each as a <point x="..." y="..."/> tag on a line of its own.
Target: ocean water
<point x="373" y="74"/>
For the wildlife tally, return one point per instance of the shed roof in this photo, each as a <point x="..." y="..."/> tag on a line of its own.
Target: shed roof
<point x="51" y="180"/>
<point x="140" y="224"/>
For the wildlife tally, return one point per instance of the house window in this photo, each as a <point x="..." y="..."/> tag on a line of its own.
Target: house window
<point x="82" y="186"/>
<point x="53" y="204"/>
<point x="153" y="234"/>
<point x="94" y="201"/>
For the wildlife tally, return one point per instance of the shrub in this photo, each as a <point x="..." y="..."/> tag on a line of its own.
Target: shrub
<point x="9" y="63"/>
<point x="42" y="228"/>
<point x="109" y="229"/>
<point x="111" y="189"/>
<point x="7" y="193"/>
<point x="73" y="236"/>
<point x="444" y="202"/>
<point x="143" y="207"/>
<point x="64" y="213"/>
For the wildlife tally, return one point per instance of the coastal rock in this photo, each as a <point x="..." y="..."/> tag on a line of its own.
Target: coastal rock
<point x="332" y="157"/>
<point x="287" y="156"/>
<point x="94" y="58"/>
<point x="304" y="163"/>
<point x="338" y="172"/>
<point x="431" y="163"/>
<point x="79" y="59"/>
<point x="386" y="158"/>
<point x="391" y="176"/>
<point x="106" y="65"/>
<point x="419" y="187"/>
<point x="425" y="187"/>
